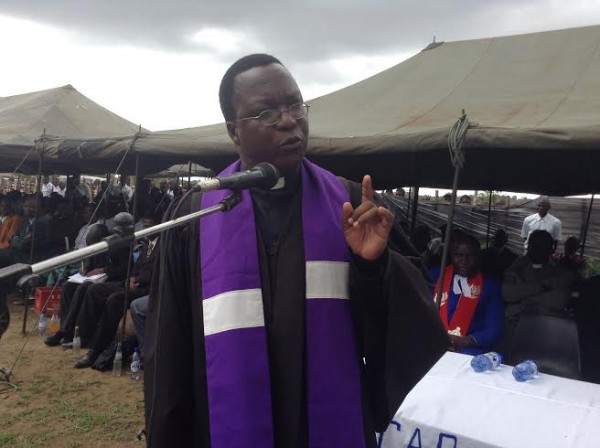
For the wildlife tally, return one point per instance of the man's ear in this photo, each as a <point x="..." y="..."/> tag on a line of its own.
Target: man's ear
<point x="232" y="131"/>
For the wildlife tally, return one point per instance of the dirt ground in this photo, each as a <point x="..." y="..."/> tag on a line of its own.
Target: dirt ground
<point x="59" y="406"/>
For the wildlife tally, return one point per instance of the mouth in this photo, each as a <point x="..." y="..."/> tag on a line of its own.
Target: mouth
<point x="292" y="144"/>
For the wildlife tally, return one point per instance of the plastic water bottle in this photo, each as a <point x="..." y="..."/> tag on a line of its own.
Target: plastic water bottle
<point x="42" y="323"/>
<point x="54" y="324"/>
<point x="118" y="361"/>
<point x="76" y="343"/>
<point x="485" y="362"/>
<point x="136" y="365"/>
<point x="525" y="371"/>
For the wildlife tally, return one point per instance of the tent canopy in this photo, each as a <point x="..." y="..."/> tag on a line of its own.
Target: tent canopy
<point x="62" y="112"/>
<point x="533" y="102"/>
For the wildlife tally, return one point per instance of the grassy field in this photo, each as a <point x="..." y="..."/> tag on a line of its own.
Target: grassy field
<point x="59" y="406"/>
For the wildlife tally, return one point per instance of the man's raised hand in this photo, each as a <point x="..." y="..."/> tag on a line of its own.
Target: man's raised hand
<point x="367" y="227"/>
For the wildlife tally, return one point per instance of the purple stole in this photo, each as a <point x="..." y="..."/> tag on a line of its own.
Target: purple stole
<point x="237" y="363"/>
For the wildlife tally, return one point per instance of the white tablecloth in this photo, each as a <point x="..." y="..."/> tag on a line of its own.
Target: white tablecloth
<point x="454" y="407"/>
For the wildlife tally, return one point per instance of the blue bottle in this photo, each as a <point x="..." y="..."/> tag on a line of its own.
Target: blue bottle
<point x="525" y="371"/>
<point x="485" y="362"/>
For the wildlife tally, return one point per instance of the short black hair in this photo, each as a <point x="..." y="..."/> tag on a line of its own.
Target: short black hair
<point x="153" y="216"/>
<point x="465" y="238"/>
<point x="240" y="66"/>
<point x="540" y="237"/>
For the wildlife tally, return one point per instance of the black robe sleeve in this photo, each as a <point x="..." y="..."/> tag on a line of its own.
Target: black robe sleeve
<point x="175" y="374"/>
<point x="399" y="330"/>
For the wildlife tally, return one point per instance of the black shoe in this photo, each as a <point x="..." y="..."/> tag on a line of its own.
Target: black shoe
<point x="87" y="360"/>
<point x="55" y="339"/>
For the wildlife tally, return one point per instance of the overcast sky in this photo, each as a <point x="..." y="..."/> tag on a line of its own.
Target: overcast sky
<point x="159" y="63"/>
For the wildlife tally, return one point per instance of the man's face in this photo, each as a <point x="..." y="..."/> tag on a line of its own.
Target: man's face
<point x="464" y="259"/>
<point x="147" y="223"/>
<point x="86" y="214"/>
<point x="29" y="208"/>
<point x="543" y="206"/>
<point x="500" y="239"/>
<point x="571" y="245"/>
<point x="283" y="144"/>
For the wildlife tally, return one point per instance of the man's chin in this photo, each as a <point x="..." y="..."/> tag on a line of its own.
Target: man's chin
<point x="289" y="162"/>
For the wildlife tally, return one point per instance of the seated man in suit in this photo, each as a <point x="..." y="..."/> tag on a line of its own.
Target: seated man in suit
<point x="32" y="232"/>
<point x="73" y="292"/>
<point x="103" y="304"/>
<point x="534" y="284"/>
<point x="19" y="247"/>
<point x="472" y="309"/>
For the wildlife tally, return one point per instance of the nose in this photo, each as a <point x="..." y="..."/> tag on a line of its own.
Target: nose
<point x="286" y="120"/>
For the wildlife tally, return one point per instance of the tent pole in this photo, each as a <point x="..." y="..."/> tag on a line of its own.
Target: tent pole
<point x="408" y="203"/>
<point x="446" y="251"/>
<point x="189" y="175"/>
<point x="587" y="224"/>
<point x="38" y="206"/>
<point x="489" y="220"/>
<point x="414" y="211"/>
<point x="137" y="190"/>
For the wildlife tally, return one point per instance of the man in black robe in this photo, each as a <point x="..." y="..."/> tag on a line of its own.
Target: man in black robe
<point x="398" y="332"/>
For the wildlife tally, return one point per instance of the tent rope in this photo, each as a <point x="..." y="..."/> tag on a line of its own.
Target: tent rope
<point x="456" y="138"/>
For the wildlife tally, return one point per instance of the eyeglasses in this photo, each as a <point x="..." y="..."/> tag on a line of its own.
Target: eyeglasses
<point x="271" y="117"/>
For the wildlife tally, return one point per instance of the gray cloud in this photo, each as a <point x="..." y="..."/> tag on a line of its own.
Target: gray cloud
<point x="300" y="31"/>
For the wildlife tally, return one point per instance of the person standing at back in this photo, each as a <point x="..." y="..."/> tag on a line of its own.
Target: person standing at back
<point x="542" y="220"/>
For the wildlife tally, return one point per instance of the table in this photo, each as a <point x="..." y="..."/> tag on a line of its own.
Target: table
<point x="454" y="407"/>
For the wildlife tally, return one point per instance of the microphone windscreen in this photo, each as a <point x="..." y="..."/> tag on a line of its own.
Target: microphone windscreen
<point x="271" y="174"/>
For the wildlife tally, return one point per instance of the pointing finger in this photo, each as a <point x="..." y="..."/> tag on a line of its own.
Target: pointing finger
<point x="367" y="189"/>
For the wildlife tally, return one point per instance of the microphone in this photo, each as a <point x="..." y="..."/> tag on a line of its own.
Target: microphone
<point x="263" y="175"/>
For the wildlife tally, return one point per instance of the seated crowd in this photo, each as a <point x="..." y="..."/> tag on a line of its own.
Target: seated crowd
<point x="482" y="293"/>
<point x="34" y="228"/>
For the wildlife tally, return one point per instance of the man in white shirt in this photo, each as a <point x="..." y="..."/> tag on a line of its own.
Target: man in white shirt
<point x="542" y="220"/>
<point x="47" y="187"/>
<point x="60" y="188"/>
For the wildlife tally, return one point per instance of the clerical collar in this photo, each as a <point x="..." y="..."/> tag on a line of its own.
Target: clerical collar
<point x="280" y="184"/>
<point x="537" y="265"/>
<point x="461" y="285"/>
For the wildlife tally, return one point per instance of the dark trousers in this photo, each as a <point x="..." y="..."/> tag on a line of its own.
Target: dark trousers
<point x="92" y="308"/>
<point x="71" y="300"/>
<point x="102" y="311"/>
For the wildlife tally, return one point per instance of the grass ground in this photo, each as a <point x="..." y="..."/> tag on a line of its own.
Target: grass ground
<point x="58" y="406"/>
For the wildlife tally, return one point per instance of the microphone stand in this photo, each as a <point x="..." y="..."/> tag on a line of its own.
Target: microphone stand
<point x="29" y="274"/>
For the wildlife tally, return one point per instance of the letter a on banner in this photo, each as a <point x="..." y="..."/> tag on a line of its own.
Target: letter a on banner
<point x="416" y="435"/>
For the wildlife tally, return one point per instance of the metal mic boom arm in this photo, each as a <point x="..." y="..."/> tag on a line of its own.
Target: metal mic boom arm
<point x="21" y="269"/>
